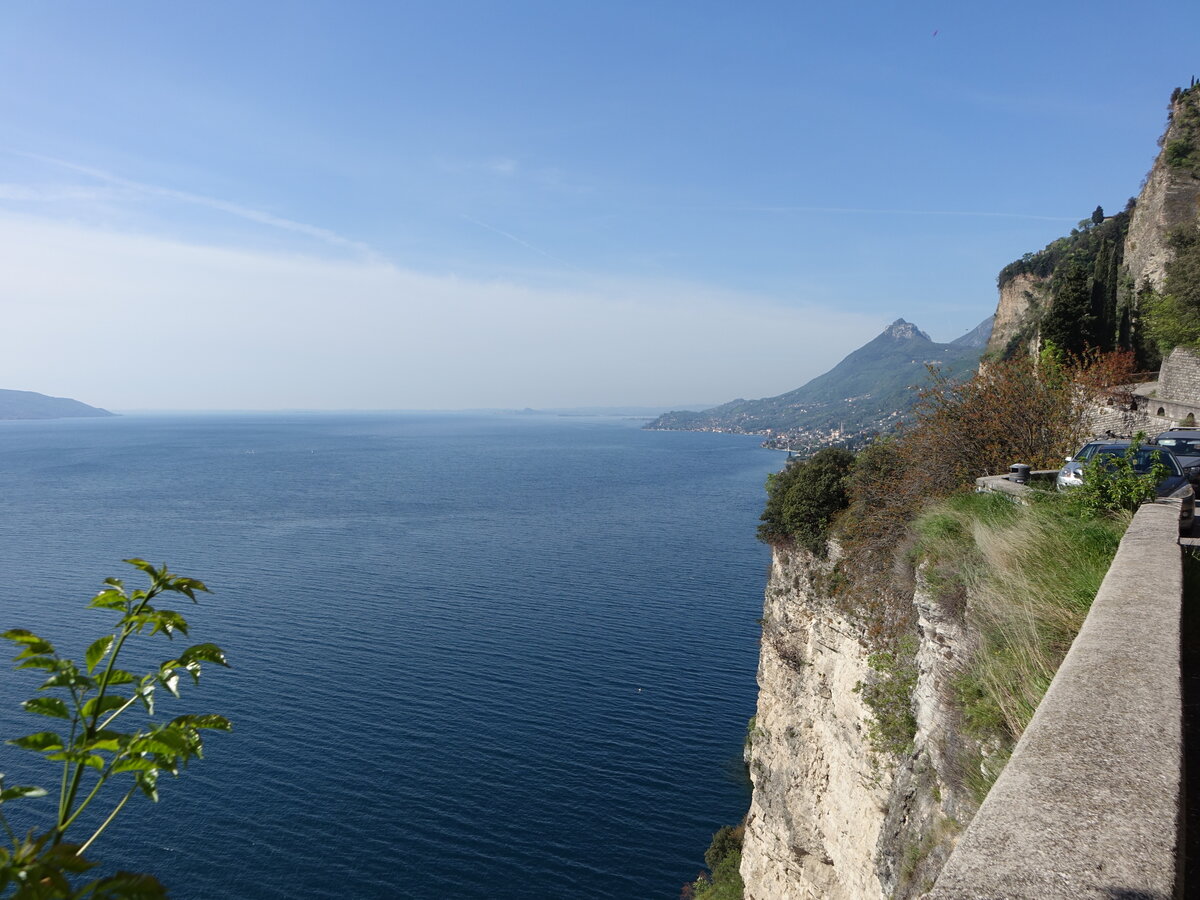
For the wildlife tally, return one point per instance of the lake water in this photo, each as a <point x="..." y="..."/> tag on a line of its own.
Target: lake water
<point x="473" y="655"/>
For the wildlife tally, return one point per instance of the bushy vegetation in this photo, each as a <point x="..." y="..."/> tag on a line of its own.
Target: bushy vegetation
<point x="1017" y="410"/>
<point x="1082" y="245"/>
<point x="803" y="499"/>
<point x="1182" y="150"/>
<point x="724" y="860"/>
<point x="1172" y="318"/>
<point x="1111" y="483"/>
<point x="1083" y="314"/>
<point x="889" y="695"/>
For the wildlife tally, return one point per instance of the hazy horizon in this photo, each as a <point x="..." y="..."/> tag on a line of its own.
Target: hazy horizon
<point x="468" y="206"/>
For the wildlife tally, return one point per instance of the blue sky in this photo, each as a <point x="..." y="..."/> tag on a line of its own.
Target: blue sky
<point x="469" y="204"/>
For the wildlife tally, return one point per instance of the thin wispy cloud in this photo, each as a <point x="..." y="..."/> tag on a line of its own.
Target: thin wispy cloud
<point x="49" y="193"/>
<point x="513" y="237"/>
<point x="258" y="216"/>
<point x="505" y="167"/>
<point x="855" y="210"/>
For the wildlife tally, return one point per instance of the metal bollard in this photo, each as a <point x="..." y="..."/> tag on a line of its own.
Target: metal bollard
<point x="1018" y="472"/>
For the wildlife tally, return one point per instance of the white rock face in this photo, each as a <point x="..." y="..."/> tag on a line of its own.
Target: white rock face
<point x="945" y="647"/>
<point x="1021" y="297"/>
<point x="829" y="818"/>
<point x="819" y="802"/>
<point x="1170" y="198"/>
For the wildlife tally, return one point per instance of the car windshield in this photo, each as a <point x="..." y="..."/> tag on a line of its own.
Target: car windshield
<point x="1088" y="450"/>
<point x="1183" y="446"/>
<point x="1145" y="457"/>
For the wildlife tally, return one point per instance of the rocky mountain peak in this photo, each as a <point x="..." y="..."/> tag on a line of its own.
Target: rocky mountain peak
<point x="905" y="331"/>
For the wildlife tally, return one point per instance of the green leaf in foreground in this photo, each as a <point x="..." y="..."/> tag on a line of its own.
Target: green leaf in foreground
<point x="112" y="748"/>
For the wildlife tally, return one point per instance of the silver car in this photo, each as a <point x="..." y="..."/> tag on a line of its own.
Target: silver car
<point x="1071" y="474"/>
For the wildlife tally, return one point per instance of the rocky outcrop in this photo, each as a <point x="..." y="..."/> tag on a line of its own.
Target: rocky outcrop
<point x="830" y="816"/>
<point x="819" y="797"/>
<point x="1022" y="298"/>
<point x="1081" y="290"/>
<point x="1169" y="198"/>
<point x="930" y="801"/>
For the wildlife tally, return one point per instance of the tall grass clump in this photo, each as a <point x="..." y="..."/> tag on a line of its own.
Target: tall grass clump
<point x="1030" y="573"/>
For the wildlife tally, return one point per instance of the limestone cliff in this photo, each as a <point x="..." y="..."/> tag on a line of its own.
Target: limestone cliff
<point x="1022" y="299"/>
<point x="817" y="808"/>
<point x="1169" y="198"/>
<point x="830" y="816"/>
<point x="1082" y="291"/>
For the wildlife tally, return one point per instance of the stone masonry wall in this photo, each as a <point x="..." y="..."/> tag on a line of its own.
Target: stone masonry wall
<point x="1179" y="379"/>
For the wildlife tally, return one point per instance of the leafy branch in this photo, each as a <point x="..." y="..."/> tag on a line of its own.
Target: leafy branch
<point x="1112" y="483"/>
<point x="92" y="753"/>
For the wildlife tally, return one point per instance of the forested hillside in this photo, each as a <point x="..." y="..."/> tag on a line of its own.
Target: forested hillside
<point x="867" y="392"/>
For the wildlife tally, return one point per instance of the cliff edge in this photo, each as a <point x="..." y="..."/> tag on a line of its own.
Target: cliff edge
<point x="835" y="813"/>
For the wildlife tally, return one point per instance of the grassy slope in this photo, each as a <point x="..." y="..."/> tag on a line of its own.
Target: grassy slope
<point x="1028" y="575"/>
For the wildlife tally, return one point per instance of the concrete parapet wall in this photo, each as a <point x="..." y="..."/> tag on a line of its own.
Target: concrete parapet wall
<point x="1001" y="484"/>
<point x="1089" y="804"/>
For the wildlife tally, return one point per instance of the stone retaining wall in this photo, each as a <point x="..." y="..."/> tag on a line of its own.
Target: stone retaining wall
<point x="1179" y="379"/>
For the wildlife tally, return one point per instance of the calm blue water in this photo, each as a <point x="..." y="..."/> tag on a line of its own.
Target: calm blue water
<point x="474" y="656"/>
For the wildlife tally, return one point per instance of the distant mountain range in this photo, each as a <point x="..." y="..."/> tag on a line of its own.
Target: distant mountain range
<point x="31" y="405"/>
<point x="867" y="392"/>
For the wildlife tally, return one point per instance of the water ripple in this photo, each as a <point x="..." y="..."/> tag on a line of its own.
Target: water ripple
<point x="477" y="656"/>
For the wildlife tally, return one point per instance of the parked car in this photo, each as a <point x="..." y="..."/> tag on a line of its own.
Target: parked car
<point x="1185" y="444"/>
<point x="1174" y="485"/>
<point x="1071" y="474"/>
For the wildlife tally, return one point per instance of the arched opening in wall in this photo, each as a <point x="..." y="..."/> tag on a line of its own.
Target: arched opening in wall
<point x="1189" y="420"/>
<point x="1161" y="411"/>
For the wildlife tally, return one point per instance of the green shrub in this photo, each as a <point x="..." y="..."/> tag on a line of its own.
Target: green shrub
<point x="1178" y="154"/>
<point x="728" y="839"/>
<point x="724" y="858"/>
<point x="1172" y="318"/>
<point x="1112" y="484"/>
<point x="888" y="693"/>
<point x="803" y="499"/>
